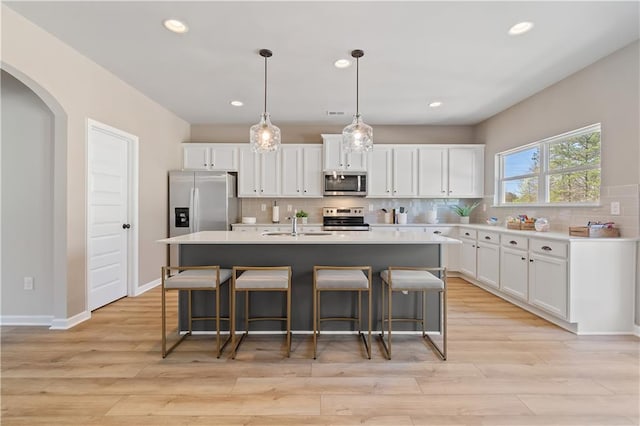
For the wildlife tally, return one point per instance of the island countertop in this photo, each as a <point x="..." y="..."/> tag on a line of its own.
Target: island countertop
<point x="341" y="237"/>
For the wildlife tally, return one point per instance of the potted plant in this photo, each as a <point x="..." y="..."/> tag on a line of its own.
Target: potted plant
<point x="464" y="211"/>
<point x="302" y="215"/>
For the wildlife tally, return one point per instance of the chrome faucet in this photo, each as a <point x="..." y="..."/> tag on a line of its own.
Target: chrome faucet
<point x="294" y="225"/>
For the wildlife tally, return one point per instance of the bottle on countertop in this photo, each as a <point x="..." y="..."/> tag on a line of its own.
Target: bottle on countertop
<point x="275" y="213"/>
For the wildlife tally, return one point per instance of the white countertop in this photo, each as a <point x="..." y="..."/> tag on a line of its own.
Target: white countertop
<point x="339" y="237"/>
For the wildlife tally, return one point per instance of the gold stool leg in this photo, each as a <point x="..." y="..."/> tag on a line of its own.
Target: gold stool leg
<point x="164" y="317"/>
<point x="289" y="320"/>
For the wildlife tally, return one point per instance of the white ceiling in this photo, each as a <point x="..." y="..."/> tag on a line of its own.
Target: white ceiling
<point x="415" y="52"/>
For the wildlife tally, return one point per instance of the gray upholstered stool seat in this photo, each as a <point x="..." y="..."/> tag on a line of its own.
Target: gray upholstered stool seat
<point x="341" y="278"/>
<point x="204" y="279"/>
<point x="256" y="279"/>
<point x="418" y="280"/>
<point x="263" y="279"/>
<point x="193" y="278"/>
<point x="412" y="280"/>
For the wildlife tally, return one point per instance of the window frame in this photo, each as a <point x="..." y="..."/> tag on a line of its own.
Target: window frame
<point x="544" y="173"/>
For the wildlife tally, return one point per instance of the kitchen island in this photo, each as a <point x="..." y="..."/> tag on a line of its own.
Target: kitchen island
<point x="376" y="249"/>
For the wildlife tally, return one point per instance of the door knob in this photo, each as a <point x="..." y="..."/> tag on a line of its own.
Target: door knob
<point x="126" y="226"/>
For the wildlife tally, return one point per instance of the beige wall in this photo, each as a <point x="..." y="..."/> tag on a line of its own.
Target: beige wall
<point x="85" y="90"/>
<point x="311" y="134"/>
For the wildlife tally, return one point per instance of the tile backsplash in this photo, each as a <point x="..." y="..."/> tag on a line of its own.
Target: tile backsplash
<point x="560" y="218"/>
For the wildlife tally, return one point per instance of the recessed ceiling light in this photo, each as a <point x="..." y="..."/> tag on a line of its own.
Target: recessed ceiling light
<point x="237" y="103"/>
<point x="520" y="28"/>
<point x="176" y="26"/>
<point x="342" y="63"/>
<point x="435" y="104"/>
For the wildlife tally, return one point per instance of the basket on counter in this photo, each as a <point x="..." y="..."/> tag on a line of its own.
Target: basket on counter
<point x="593" y="232"/>
<point x="521" y="226"/>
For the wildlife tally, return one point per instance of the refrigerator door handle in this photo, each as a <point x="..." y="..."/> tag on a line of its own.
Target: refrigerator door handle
<point x="196" y="210"/>
<point x="191" y="210"/>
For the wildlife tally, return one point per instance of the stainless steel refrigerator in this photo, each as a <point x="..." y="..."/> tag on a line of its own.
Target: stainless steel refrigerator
<point x="200" y="201"/>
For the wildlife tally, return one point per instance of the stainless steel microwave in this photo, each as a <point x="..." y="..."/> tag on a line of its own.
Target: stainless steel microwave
<point x="345" y="183"/>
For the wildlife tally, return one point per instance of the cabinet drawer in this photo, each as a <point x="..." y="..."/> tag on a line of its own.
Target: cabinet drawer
<point x="467" y="233"/>
<point x="548" y="247"/>
<point x="438" y="230"/>
<point x="515" y="241"/>
<point x="489" y="237"/>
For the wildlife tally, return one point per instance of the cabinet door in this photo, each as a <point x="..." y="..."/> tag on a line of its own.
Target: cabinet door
<point x="488" y="264"/>
<point x="355" y="161"/>
<point x="247" y="173"/>
<point x="291" y="171"/>
<point x="269" y="174"/>
<point x="467" y="260"/>
<point x="332" y="148"/>
<point x="195" y="157"/>
<point x="514" y="277"/>
<point x="312" y="171"/>
<point x="405" y="172"/>
<point x="466" y="169"/>
<point x="379" y="177"/>
<point x="224" y="158"/>
<point x="548" y="284"/>
<point x="432" y="172"/>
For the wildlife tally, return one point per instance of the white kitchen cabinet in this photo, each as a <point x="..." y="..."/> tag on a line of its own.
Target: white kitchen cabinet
<point x="258" y="174"/>
<point x="468" y="252"/>
<point x="451" y="171"/>
<point x="548" y="283"/>
<point x="216" y="157"/>
<point x="514" y="272"/>
<point x="335" y="158"/>
<point x="488" y="258"/>
<point x="393" y="172"/>
<point x="301" y="169"/>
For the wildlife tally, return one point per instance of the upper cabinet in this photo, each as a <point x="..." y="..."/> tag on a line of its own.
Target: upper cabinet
<point x="454" y="171"/>
<point x="336" y="159"/>
<point x="259" y="174"/>
<point x="301" y="169"/>
<point x="393" y="171"/>
<point x="210" y="156"/>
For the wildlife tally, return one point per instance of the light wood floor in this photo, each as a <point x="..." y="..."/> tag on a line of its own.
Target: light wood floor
<point x="505" y="367"/>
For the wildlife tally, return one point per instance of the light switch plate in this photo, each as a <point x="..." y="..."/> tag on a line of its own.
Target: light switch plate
<point x="28" y="283"/>
<point x="263" y="207"/>
<point x="615" y="207"/>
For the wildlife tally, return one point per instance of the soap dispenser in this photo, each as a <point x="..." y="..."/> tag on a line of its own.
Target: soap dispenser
<point x="275" y="213"/>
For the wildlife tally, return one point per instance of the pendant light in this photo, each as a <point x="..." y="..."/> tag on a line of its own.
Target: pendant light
<point x="264" y="136"/>
<point x="357" y="136"/>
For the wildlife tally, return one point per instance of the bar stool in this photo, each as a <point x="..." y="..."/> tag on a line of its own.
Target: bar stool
<point x="193" y="278"/>
<point x="341" y="278"/>
<point x="262" y="278"/>
<point x="415" y="279"/>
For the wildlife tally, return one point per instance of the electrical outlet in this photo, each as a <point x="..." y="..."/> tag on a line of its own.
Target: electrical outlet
<point x="370" y="207"/>
<point x="289" y="207"/>
<point x="615" y="207"/>
<point x="28" y="283"/>
<point x="484" y="207"/>
<point x="263" y="207"/>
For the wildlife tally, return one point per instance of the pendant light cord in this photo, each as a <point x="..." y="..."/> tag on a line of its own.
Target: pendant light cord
<point x="357" y="86"/>
<point x="265" y="85"/>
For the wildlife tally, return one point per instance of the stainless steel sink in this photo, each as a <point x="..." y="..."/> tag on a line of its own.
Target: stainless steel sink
<point x="299" y="234"/>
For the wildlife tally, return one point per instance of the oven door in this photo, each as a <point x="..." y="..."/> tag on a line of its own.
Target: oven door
<point x="339" y="183"/>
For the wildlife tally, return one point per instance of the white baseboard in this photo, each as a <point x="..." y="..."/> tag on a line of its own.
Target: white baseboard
<point x="146" y="287"/>
<point x="33" y="320"/>
<point x="636" y="330"/>
<point x="67" y="323"/>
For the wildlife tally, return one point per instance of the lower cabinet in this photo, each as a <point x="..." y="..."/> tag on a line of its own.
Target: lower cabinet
<point x="514" y="273"/>
<point x="488" y="265"/>
<point x="467" y="259"/>
<point x="548" y="284"/>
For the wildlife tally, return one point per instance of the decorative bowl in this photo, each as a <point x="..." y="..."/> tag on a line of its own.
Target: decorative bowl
<point x="248" y="220"/>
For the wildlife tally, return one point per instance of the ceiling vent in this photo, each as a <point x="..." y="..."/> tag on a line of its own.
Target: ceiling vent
<point x="332" y="113"/>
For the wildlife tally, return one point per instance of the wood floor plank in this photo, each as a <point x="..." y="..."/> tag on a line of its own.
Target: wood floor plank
<point x="505" y="367"/>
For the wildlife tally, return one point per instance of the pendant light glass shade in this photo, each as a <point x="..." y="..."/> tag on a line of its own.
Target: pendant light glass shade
<point x="264" y="136"/>
<point x="357" y="136"/>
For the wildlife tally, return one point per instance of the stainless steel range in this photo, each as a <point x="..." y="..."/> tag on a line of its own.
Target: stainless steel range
<point x="343" y="219"/>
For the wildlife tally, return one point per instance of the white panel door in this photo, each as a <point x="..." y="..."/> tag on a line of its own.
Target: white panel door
<point x="432" y="172"/>
<point x="379" y="176"/>
<point x="247" y="173"/>
<point x="488" y="264"/>
<point x="195" y="157"/>
<point x="466" y="169"/>
<point x="468" y="258"/>
<point x="107" y="238"/>
<point x="514" y="266"/>
<point x="405" y="172"/>
<point x="312" y="171"/>
<point x="291" y="173"/>
<point x="269" y="174"/>
<point x="223" y="158"/>
<point x="548" y="284"/>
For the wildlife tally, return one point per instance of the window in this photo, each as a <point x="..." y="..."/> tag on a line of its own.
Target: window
<point x="563" y="169"/>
